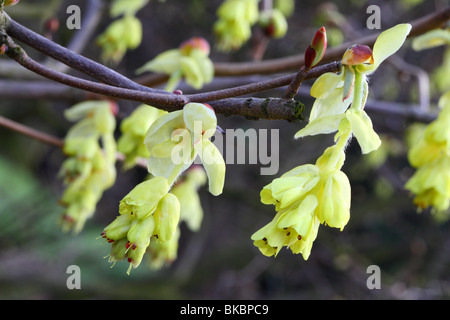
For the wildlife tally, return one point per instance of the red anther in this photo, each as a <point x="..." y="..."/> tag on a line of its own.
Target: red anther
<point x="127" y="245"/>
<point x="103" y="234"/>
<point x="129" y="260"/>
<point x="133" y="246"/>
<point x="110" y="240"/>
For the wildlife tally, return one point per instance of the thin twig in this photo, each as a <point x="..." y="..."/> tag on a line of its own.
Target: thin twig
<point x="30" y="132"/>
<point x="50" y="139"/>
<point x="70" y="58"/>
<point x="263" y="85"/>
<point x="91" y="19"/>
<point x="292" y="89"/>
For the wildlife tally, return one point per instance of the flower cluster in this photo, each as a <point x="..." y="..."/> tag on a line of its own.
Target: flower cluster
<point x="304" y="198"/>
<point x="147" y="212"/>
<point x="429" y="151"/>
<point x="8" y="3"/>
<point x="133" y="129"/>
<point x="430" y="155"/>
<point x="190" y="61"/>
<point x="162" y="254"/>
<point x="124" y="33"/>
<point x="235" y="20"/>
<point x="90" y="166"/>
<point x="151" y="212"/>
<point x="310" y="195"/>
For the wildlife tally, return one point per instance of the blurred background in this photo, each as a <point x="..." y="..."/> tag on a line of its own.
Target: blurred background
<point x="220" y="262"/>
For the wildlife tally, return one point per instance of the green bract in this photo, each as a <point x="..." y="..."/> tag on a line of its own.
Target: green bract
<point x="144" y="198"/>
<point x="130" y="7"/>
<point x="120" y="36"/>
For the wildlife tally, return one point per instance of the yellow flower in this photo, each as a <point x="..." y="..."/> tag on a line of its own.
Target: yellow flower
<point x="134" y="128"/>
<point x="189" y="61"/>
<point x="304" y="198"/>
<point x="176" y="138"/>
<point x="295" y="228"/>
<point x="186" y="192"/>
<point x="235" y="19"/>
<point x="431" y="184"/>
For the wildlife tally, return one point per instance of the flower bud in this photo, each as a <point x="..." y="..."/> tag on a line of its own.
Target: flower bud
<point x="8" y="3"/>
<point x="357" y="54"/>
<point x="195" y="43"/>
<point x="273" y="23"/>
<point x="316" y="50"/>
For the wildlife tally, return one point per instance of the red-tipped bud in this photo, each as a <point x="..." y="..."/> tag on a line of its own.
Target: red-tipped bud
<point x="195" y="43"/>
<point x="8" y="3"/>
<point x="3" y="49"/>
<point x="316" y="50"/>
<point x="357" y="54"/>
<point x="51" y="25"/>
<point x="178" y="92"/>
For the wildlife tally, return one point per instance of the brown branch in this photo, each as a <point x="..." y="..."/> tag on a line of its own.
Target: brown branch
<point x="32" y="133"/>
<point x="124" y="88"/>
<point x="419" y="26"/>
<point x="16" y="53"/>
<point x="263" y="85"/>
<point x="172" y="102"/>
<point x="70" y="58"/>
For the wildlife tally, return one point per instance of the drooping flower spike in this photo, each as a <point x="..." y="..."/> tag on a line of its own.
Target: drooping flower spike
<point x="147" y="213"/>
